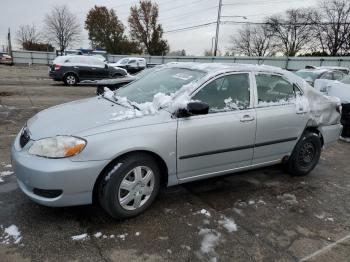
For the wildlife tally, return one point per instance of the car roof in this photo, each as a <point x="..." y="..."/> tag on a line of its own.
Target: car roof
<point x="317" y="70"/>
<point x="229" y="67"/>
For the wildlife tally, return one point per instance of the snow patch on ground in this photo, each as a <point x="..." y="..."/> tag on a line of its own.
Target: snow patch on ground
<point x="203" y="212"/>
<point x="4" y="174"/>
<point x="238" y="211"/>
<point x="11" y="235"/>
<point x="288" y="199"/>
<point x="122" y="236"/>
<point x="81" y="237"/>
<point x="210" y="240"/>
<point x="251" y="202"/>
<point x="98" y="234"/>
<point x="229" y="224"/>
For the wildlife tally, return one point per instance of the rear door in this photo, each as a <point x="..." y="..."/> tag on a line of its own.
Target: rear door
<point x="82" y="66"/>
<point x="98" y="69"/>
<point x="223" y="140"/>
<point x="279" y="123"/>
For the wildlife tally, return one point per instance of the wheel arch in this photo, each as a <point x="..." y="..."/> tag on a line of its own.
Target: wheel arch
<point x="315" y="130"/>
<point x="160" y="161"/>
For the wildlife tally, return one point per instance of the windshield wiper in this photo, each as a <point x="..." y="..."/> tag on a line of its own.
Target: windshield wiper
<point x="133" y="105"/>
<point x="115" y="101"/>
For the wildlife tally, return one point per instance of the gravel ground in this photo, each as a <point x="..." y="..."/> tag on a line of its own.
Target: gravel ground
<point x="261" y="215"/>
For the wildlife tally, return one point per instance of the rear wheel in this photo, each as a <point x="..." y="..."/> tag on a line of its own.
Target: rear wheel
<point x="305" y="156"/>
<point x="70" y="80"/>
<point x="130" y="186"/>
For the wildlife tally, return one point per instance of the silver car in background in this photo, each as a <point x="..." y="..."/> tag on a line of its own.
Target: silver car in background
<point x="182" y="122"/>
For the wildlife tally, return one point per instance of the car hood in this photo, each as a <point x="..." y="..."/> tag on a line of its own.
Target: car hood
<point x="86" y="117"/>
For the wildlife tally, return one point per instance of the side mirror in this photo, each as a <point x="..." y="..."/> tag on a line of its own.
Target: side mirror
<point x="106" y="66"/>
<point x="193" y="109"/>
<point x="322" y="85"/>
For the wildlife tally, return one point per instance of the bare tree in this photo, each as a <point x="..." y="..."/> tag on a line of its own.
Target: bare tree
<point x="253" y="41"/>
<point x="291" y="32"/>
<point x="331" y="26"/>
<point x="62" y="27"/>
<point x="27" y="35"/>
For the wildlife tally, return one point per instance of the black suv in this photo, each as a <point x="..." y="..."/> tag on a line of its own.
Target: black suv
<point x="74" y="69"/>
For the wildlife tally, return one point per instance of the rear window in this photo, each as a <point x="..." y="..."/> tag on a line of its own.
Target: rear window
<point x="273" y="88"/>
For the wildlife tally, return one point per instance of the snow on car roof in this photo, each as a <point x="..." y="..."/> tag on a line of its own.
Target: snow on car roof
<point x="216" y="67"/>
<point x="316" y="70"/>
<point x="213" y="69"/>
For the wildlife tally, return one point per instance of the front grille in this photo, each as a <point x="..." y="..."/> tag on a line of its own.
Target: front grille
<point x="24" y="138"/>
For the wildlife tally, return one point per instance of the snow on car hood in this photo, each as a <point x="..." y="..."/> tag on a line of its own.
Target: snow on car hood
<point x="84" y="117"/>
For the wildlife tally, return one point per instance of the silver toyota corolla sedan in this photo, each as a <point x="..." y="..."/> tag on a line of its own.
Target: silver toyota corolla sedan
<point x="180" y="123"/>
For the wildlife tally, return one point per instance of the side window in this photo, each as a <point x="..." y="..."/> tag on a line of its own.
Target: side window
<point x="273" y="88"/>
<point x="327" y="75"/>
<point x="338" y="75"/>
<point x="230" y="92"/>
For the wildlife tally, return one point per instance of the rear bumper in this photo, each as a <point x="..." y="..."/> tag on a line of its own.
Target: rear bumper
<point x="74" y="180"/>
<point x="331" y="134"/>
<point x="6" y="62"/>
<point x="55" y="75"/>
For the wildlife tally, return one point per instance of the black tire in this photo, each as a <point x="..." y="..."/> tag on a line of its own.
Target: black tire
<point x="305" y="156"/>
<point x="109" y="187"/>
<point x="70" y="80"/>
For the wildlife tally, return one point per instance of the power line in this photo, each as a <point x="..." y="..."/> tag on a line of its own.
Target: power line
<point x="196" y="12"/>
<point x="180" y="6"/>
<point x="246" y="23"/>
<point x="190" y="27"/>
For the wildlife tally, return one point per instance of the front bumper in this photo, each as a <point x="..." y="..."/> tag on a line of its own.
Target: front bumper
<point x="75" y="179"/>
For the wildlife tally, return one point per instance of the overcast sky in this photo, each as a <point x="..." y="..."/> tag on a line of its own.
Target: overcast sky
<point x="174" y="14"/>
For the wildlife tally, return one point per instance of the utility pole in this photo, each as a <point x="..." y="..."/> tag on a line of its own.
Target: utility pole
<point x="9" y="43"/>
<point x="217" y="28"/>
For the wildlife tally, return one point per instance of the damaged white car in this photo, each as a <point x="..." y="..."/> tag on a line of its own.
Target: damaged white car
<point x="180" y="123"/>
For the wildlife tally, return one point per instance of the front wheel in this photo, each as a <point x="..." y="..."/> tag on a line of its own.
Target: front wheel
<point x="130" y="186"/>
<point x="305" y="156"/>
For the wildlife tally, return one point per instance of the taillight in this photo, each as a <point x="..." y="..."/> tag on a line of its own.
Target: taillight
<point x="339" y="109"/>
<point x="57" y="67"/>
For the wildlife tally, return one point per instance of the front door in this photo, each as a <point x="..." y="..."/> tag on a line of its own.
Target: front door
<point x="223" y="140"/>
<point x="280" y="121"/>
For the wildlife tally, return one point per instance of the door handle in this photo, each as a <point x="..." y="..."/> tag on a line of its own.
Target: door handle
<point x="76" y="67"/>
<point x="247" y="118"/>
<point x="93" y="68"/>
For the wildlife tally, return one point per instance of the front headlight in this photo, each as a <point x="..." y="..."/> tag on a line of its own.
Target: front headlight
<point x="57" y="147"/>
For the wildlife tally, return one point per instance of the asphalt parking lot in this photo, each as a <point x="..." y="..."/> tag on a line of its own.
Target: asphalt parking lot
<point x="261" y="215"/>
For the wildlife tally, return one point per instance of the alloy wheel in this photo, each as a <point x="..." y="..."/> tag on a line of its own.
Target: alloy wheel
<point x="71" y="80"/>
